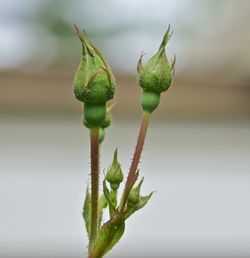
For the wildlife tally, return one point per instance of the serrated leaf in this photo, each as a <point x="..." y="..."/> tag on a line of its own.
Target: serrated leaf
<point x="108" y="236"/>
<point x="117" y="236"/>
<point x="87" y="211"/>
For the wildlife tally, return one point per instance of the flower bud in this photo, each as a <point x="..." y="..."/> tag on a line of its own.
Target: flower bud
<point x="134" y="196"/>
<point x="155" y="76"/>
<point x="94" y="83"/>
<point x="114" y="175"/>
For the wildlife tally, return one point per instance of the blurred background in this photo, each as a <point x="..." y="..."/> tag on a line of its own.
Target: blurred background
<point x="197" y="156"/>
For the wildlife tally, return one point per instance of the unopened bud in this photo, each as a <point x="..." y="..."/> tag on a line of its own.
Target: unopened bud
<point x="94" y="82"/>
<point x="134" y="196"/>
<point x="114" y="175"/>
<point x="155" y="76"/>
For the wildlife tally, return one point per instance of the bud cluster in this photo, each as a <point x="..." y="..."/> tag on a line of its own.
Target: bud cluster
<point x="94" y="86"/>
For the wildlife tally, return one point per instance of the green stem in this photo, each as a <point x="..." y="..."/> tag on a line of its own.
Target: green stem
<point x="136" y="158"/>
<point x="94" y="150"/>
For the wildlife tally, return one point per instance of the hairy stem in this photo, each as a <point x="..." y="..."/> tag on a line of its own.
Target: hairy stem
<point x="94" y="150"/>
<point x="136" y="158"/>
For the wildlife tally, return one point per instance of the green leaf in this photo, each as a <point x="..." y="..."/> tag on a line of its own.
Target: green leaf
<point x="108" y="236"/>
<point x="117" y="236"/>
<point x="87" y="210"/>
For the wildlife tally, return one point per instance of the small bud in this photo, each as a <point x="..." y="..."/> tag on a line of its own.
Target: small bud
<point x="155" y="76"/>
<point x="134" y="196"/>
<point x="143" y="201"/>
<point x="114" y="175"/>
<point x="94" y="82"/>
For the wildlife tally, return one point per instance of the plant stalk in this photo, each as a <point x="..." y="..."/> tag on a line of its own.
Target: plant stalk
<point x="94" y="150"/>
<point x="136" y="158"/>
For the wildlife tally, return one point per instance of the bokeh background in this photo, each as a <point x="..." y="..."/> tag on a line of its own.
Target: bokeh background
<point x="197" y="156"/>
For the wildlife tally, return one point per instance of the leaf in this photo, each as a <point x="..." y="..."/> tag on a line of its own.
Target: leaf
<point x="87" y="211"/>
<point x="117" y="236"/>
<point x="108" y="236"/>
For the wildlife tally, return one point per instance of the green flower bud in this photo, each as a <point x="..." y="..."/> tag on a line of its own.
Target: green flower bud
<point x="134" y="196"/>
<point x="143" y="201"/>
<point x="94" y="83"/>
<point x="114" y="175"/>
<point x="155" y="76"/>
